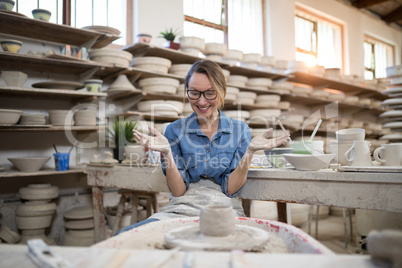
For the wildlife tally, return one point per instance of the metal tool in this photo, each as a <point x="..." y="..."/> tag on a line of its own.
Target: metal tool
<point x="44" y="257"/>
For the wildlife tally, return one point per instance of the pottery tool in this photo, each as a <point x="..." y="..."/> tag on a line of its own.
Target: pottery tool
<point x="54" y="146"/>
<point x="305" y="146"/>
<point x="284" y="130"/>
<point x="69" y="151"/>
<point x="44" y="257"/>
<point x="315" y="130"/>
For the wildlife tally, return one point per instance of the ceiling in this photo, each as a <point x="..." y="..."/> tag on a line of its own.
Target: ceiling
<point x="389" y="11"/>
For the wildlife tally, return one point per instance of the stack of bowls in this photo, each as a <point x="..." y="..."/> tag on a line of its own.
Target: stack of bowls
<point x="302" y="89"/>
<point x="159" y="85"/>
<point x="61" y="117"/>
<point x="215" y="51"/>
<point x="226" y="73"/>
<point x="344" y="141"/>
<point x="280" y="66"/>
<point x="107" y="55"/>
<point x="259" y="83"/>
<point x="250" y="60"/>
<point x="180" y="69"/>
<point x="161" y="107"/>
<point x="281" y="87"/>
<point x="237" y="114"/>
<point x="192" y="45"/>
<point x="155" y="64"/>
<point x="237" y="80"/>
<point x="85" y="117"/>
<point x="232" y="56"/>
<point x="180" y="90"/>
<point x="35" y="215"/>
<point x="317" y="70"/>
<point x="297" y="66"/>
<point x="333" y="73"/>
<point x="293" y="119"/>
<point x="80" y="227"/>
<point x="187" y="110"/>
<point x="268" y="100"/>
<point x="393" y="118"/>
<point x="267" y="64"/>
<point x="246" y="98"/>
<point x="231" y="94"/>
<point x="264" y="116"/>
<point x="32" y="119"/>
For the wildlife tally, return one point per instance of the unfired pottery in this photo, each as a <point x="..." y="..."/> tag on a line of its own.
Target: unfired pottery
<point x="8" y="235"/>
<point x="14" y="78"/>
<point x="80" y="224"/>
<point x="9" y="117"/>
<point x="309" y="162"/>
<point x="121" y="84"/>
<point x="29" y="209"/>
<point x="39" y="192"/>
<point x="36" y="222"/>
<point x="29" y="164"/>
<point x="79" y="213"/>
<point x="159" y="85"/>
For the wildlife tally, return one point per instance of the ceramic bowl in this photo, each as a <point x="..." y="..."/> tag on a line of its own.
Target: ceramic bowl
<point x="349" y="135"/>
<point x="14" y="78"/>
<point x="275" y="156"/>
<point x="309" y="162"/>
<point x="144" y="38"/>
<point x="215" y="49"/>
<point x="114" y="56"/>
<point x="7" y="5"/>
<point x="234" y="54"/>
<point x="29" y="164"/>
<point x="259" y="82"/>
<point x="156" y="64"/>
<point x="9" y="117"/>
<point x="41" y="14"/>
<point x="191" y="42"/>
<point x="251" y="58"/>
<point x="159" y="85"/>
<point x="240" y="78"/>
<point x="247" y="95"/>
<point x="12" y="46"/>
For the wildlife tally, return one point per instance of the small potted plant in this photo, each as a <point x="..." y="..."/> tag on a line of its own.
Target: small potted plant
<point x="170" y="36"/>
<point x="121" y="134"/>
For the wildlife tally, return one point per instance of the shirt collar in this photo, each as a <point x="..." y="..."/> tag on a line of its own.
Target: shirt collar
<point x="225" y="124"/>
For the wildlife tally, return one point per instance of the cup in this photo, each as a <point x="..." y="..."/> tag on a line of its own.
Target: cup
<point x="359" y="154"/>
<point x="339" y="150"/>
<point x="389" y="154"/>
<point x="61" y="161"/>
<point x="93" y="85"/>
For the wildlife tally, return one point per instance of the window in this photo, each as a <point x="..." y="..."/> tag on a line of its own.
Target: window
<point x="378" y="55"/>
<point x="84" y="13"/>
<point x="239" y="24"/>
<point x="318" y="40"/>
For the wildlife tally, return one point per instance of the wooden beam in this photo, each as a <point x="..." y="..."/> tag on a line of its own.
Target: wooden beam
<point x="367" y="3"/>
<point x="393" y="15"/>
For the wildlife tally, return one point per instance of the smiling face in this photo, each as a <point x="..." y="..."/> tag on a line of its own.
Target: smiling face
<point x="203" y="107"/>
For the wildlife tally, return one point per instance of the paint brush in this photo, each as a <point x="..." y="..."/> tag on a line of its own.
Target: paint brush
<point x="284" y="130"/>
<point x="54" y="146"/>
<point x="69" y="151"/>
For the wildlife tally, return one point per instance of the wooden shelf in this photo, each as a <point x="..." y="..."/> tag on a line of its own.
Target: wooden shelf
<point x="46" y="172"/>
<point x="49" y="93"/>
<point x="245" y="107"/>
<point x="140" y="49"/>
<point x="145" y="95"/>
<point x="46" y="128"/>
<point x="321" y="82"/>
<point x="36" y="29"/>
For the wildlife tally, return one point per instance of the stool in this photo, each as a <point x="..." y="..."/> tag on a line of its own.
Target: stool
<point x="344" y="223"/>
<point x="134" y="198"/>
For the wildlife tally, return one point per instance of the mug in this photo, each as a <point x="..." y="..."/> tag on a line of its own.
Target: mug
<point x="389" y="154"/>
<point x="359" y="154"/>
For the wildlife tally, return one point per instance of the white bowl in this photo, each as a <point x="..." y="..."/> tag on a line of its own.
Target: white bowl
<point x="234" y="54"/>
<point x="192" y="42"/>
<point x="9" y="117"/>
<point x="247" y="95"/>
<point x="159" y="85"/>
<point x="309" y="162"/>
<point x="259" y="82"/>
<point x="29" y="164"/>
<point x="215" y="48"/>
<point x="349" y="135"/>
<point x="251" y="57"/>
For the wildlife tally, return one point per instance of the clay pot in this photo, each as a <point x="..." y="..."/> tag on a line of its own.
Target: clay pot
<point x="217" y="221"/>
<point x="39" y="192"/>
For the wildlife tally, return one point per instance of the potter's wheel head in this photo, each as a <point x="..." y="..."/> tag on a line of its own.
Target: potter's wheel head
<point x="246" y="238"/>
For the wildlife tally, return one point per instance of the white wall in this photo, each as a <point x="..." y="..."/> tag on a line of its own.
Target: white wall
<point x="280" y="30"/>
<point x="155" y="16"/>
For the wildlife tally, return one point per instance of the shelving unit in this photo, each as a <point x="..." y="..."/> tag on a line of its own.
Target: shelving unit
<point x="14" y="24"/>
<point x="27" y="128"/>
<point x="45" y="172"/>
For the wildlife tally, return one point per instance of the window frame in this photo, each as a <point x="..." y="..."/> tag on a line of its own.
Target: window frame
<point x="328" y="20"/>
<point x="373" y="41"/>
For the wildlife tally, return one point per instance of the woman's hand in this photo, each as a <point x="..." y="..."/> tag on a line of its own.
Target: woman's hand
<point x="263" y="142"/>
<point x="157" y="143"/>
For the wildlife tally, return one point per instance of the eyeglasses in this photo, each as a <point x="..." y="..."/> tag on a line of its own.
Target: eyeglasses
<point x="208" y="95"/>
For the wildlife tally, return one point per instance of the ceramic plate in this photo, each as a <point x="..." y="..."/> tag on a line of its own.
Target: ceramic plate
<point x="392" y="101"/>
<point x="397" y="136"/>
<point x="102" y="29"/>
<point x="59" y="85"/>
<point x="393" y="125"/>
<point x="392" y="90"/>
<point x="391" y="114"/>
<point x="386" y="169"/>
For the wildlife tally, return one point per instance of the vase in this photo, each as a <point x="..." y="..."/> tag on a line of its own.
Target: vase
<point x="172" y="45"/>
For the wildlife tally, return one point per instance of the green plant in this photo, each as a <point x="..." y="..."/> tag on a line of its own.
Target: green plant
<point x="121" y="132"/>
<point x="169" y="34"/>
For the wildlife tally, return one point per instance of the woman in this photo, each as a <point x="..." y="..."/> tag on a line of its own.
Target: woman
<point x="205" y="156"/>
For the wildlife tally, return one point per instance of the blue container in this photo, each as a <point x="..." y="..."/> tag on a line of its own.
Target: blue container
<point x="62" y="161"/>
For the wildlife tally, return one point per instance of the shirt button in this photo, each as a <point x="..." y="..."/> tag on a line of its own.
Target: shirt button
<point x="206" y="160"/>
<point x="208" y="151"/>
<point x="205" y="176"/>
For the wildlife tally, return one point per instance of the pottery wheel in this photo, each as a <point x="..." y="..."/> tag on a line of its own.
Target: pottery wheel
<point x="244" y="238"/>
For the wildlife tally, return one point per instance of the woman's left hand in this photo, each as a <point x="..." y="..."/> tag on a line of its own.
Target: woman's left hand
<point x="263" y="141"/>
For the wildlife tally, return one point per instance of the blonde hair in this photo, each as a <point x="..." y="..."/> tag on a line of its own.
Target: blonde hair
<point x="215" y="75"/>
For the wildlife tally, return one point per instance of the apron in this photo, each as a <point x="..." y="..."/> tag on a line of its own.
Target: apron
<point x="199" y="194"/>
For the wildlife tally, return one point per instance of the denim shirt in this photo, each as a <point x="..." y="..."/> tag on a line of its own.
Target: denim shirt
<point x="197" y="157"/>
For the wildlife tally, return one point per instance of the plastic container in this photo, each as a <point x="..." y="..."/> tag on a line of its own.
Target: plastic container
<point x="62" y="161"/>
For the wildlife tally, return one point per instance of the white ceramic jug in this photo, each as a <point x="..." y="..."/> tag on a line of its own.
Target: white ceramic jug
<point x="359" y="154"/>
<point x="389" y="154"/>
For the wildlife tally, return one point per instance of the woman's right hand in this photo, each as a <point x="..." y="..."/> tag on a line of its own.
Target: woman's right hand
<point x="157" y="143"/>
